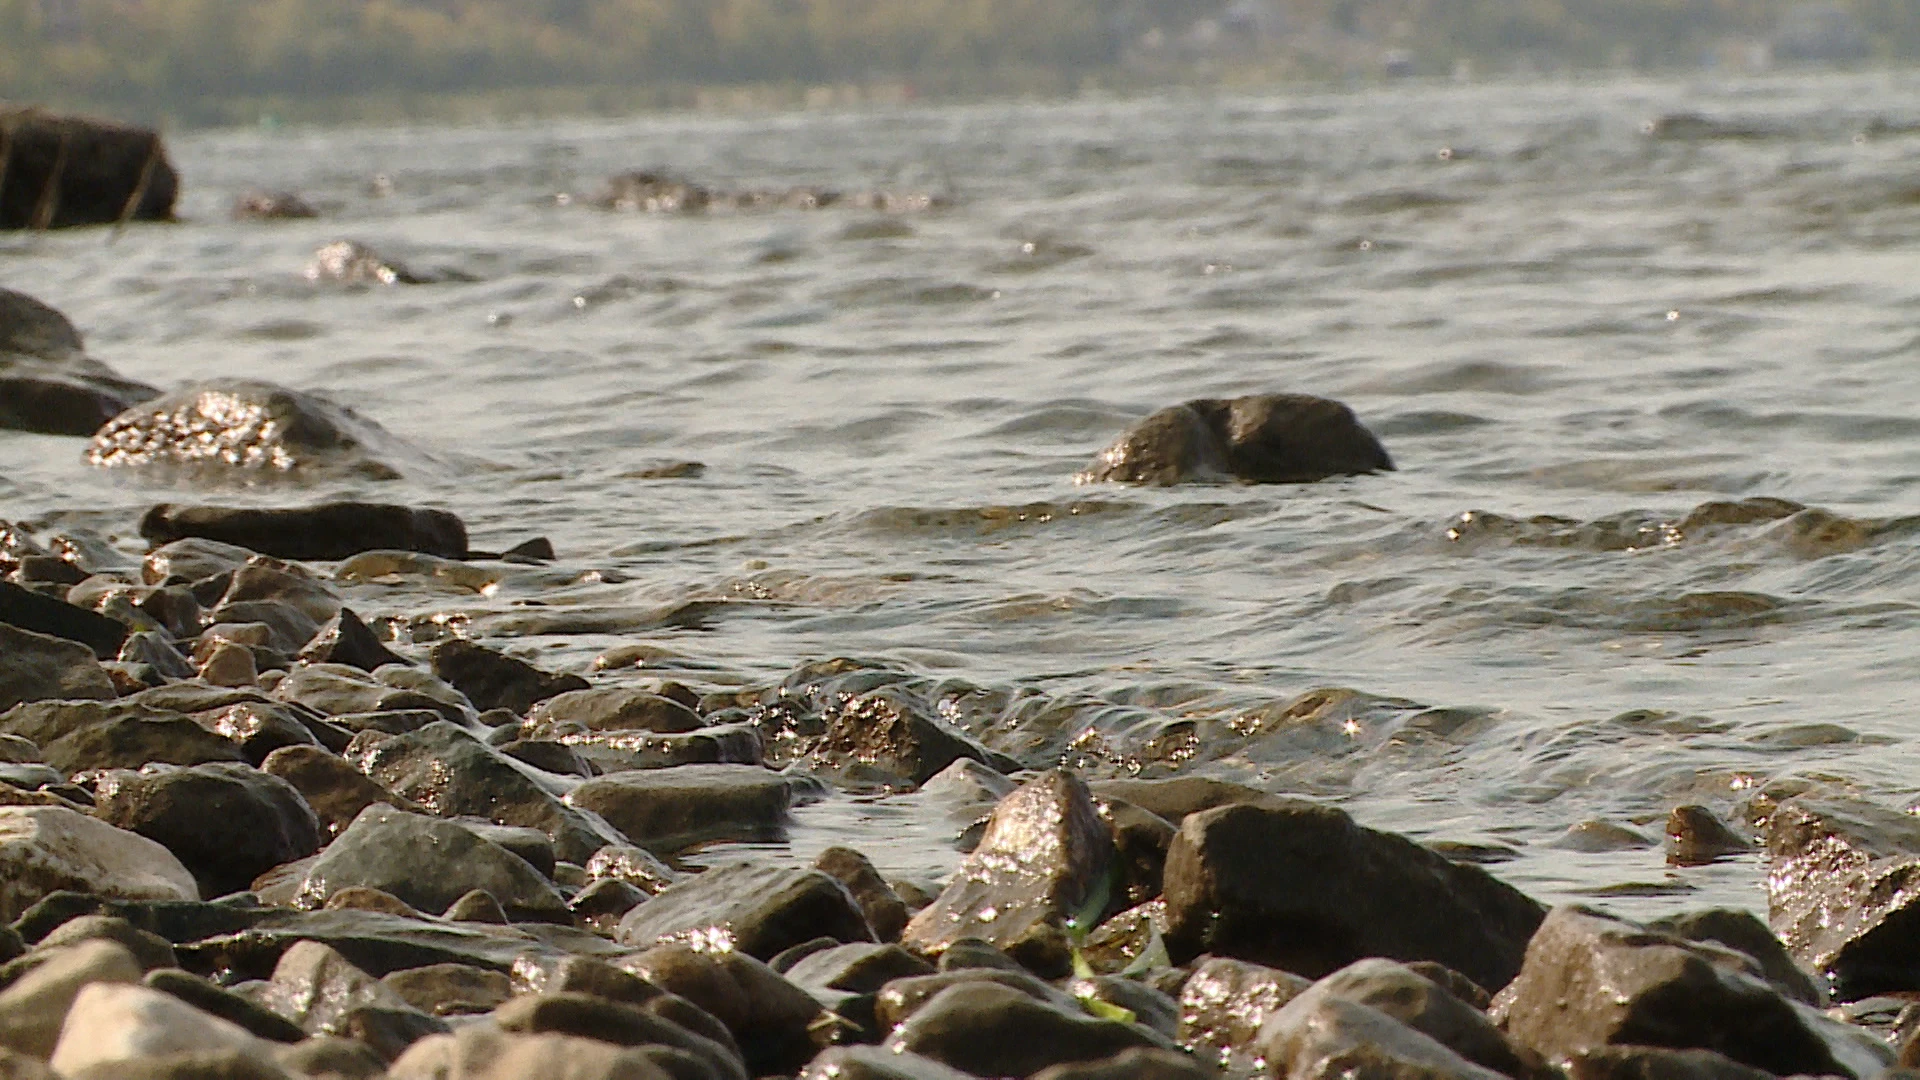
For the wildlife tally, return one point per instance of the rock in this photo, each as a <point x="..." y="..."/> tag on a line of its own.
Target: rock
<point x="1045" y="856"/>
<point x="478" y="906"/>
<point x="900" y="999"/>
<point x="601" y="905"/>
<point x="25" y="609"/>
<point x="351" y="898"/>
<point x="46" y="849"/>
<point x="79" y="735"/>
<point x="1696" y="836"/>
<point x="263" y="580"/>
<point x="229" y="665"/>
<point x="530" y="844"/>
<point x="15" y="1066"/>
<point x="344" y="639"/>
<point x="1424" y="1006"/>
<point x="214" y="1001"/>
<point x="151" y="950"/>
<point x="380" y="943"/>
<point x="64" y="171"/>
<point x="331" y="1058"/>
<point x="1301" y="887"/>
<point x="1132" y="1065"/>
<point x="111" y="1024"/>
<point x="339" y="690"/>
<point x="1593" y="981"/>
<point x="616" y="1022"/>
<point x="428" y="863"/>
<point x="1150" y="1007"/>
<point x="1843" y="890"/>
<point x="335" y="790"/>
<point x="325" y="532"/>
<point x="612" y="708"/>
<point x="884" y="739"/>
<point x="208" y="1065"/>
<point x="886" y="913"/>
<point x="480" y="1052"/>
<point x="857" y="968"/>
<point x="157" y="651"/>
<point x="451" y="989"/>
<point x="349" y="262"/>
<point x="553" y="757"/>
<point x="451" y="773"/>
<point x="626" y="751"/>
<point x="193" y="560"/>
<point x="876" y="1063"/>
<point x="494" y="680"/>
<point x="1225" y="1003"/>
<point x="35" y="1006"/>
<point x="970" y="952"/>
<point x="1323" y="1037"/>
<point x="1263" y="439"/>
<point x="1741" y="931"/>
<point x="1141" y="840"/>
<point x="318" y="989"/>
<point x="666" y="810"/>
<point x="271" y="206"/>
<point x="35" y="667"/>
<point x="227" y="823"/>
<point x="769" y="1018"/>
<point x="631" y="865"/>
<point x="258" y="728"/>
<point x="176" y="921"/>
<point x="1653" y="1063"/>
<point x="249" y="428"/>
<point x="992" y="1030"/>
<point x="757" y="910"/>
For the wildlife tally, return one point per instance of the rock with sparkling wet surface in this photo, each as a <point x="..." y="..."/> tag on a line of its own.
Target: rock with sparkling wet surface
<point x="247" y="428"/>
<point x="1843" y="891"/>
<point x="759" y="910"/>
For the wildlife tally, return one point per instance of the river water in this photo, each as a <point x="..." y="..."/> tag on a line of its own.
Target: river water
<point x="1577" y="315"/>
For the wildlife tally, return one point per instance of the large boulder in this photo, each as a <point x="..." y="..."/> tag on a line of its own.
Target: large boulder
<point x="228" y="823"/>
<point x="68" y="170"/>
<point x="46" y="849"/>
<point x="247" y="428"/>
<point x="333" y="530"/>
<point x="1843" y="890"/>
<point x="1300" y="886"/>
<point x="1263" y="439"/>
<point x="48" y="384"/>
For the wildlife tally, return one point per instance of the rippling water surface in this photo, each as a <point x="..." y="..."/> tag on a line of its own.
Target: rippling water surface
<point x="1653" y="387"/>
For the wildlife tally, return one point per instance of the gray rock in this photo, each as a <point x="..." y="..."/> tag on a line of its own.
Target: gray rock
<point x="114" y="1025"/>
<point x="48" y="384"/>
<point x="258" y="728"/>
<point x="478" y="906"/>
<point x="1301" y="887"/>
<point x="857" y="968"/>
<point x="340" y="690"/>
<point x="428" y="863"/>
<point x="625" y="751"/>
<point x="887" y="739"/>
<point x="33" y="1007"/>
<point x="622" y="1024"/>
<point x="1843" y="887"/>
<point x="666" y="810"/>
<point x="1653" y="1063"/>
<point x="336" y="791"/>
<point x="1422" y="1005"/>
<point x="46" y="849"/>
<point x="227" y="823"/>
<point x="1132" y="1065"/>
<point x="332" y="1058"/>
<point x="1264" y="439"/>
<point x="601" y="905"/>
<point x="1323" y="1037"/>
<point x="36" y="667"/>
<point x="451" y="989"/>
<point x="321" y="991"/>
<point x="482" y="1052"/>
<point x="1150" y="1007"/>
<point x="150" y="949"/>
<point x="1696" y="836"/>
<point x="1742" y="931"/>
<point x="611" y="708"/>
<point x="242" y="427"/>
<point x="1592" y="981"/>
<point x="494" y="680"/>
<point x="193" y="560"/>
<point x="157" y="651"/>
<point x="1224" y="1005"/>
<point x="1045" y="855"/>
<point x="886" y="913"/>
<point x="876" y="1063"/>
<point x="757" y="910"/>
<point x="327" y="531"/>
<point x="901" y="998"/>
<point x="770" y="1019"/>
<point x="635" y="866"/>
<point x="214" y="1001"/>
<point x="992" y="1030"/>
<point x="85" y="735"/>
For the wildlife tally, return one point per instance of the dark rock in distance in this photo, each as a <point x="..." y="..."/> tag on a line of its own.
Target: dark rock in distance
<point x="326" y="531"/>
<point x="248" y="428"/>
<point x="73" y="170"/>
<point x="494" y="680"/>
<point x="227" y="823"/>
<point x="48" y="385"/>
<point x="1302" y="887"/>
<point x="757" y="910"/>
<point x="1262" y="439"/>
<point x="271" y="206"/>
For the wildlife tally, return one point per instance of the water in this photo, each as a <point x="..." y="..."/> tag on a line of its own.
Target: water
<point x="1572" y="328"/>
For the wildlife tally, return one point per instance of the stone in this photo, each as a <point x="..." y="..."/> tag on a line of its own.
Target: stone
<point x="1225" y="1003"/>
<point x="667" y="810"/>
<point x="1654" y="1063"/>
<point x="451" y="989"/>
<point x="1696" y="837"/>
<point x="885" y="739"/>
<point x="1843" y="891"/>
<point x="321" y="991"/>
<point x="1742" y="931"/>
<point x="341" y="690"/>
<point x="36" y="667"/>
<point x="478" y="905"/>
<point x="856" y="968"/>
<point x="1045" y="856"/>
<point x="557" y="758"/>
<point x="47" y="849"/>
<point x="1301" y="887"/>
<point x="258" y="728"/>
<point x="344" y="639"/>
<point x="1396" y="991"/>
<point x="17" y="1066"/>
<point x="1323" y="1037"/>
<point x="351" y="898"/>
<point x="34" y="1006"/>
<point x="619" y="1023"/>
<point x="612" y="708"/>
<point x="331" y="1058"/>
<point x="1262" y="439"/>
<point x="214" y="1001"/>
<point x="1141" y="840"/>
<point x="626" y="751"/>
<point x="86" y="735"/>
<point x="898" y="1000"/>
<point x="481" y="1052"/>
<point x="248" y="428"/>
<point x="112" y="1024"/>
<point x="150" y="949"/>
<point x="158" y="652"/>
<point x="227" y="823"/>
<point x="25" y="609"/>
<point x="886" y="913"/>
<point x="601" y="905"/>
<point x="271" y="580"/>
<point x="443" y="768"/>
<point x="324" y="532"/>
<point x="203" y="1065"/>
<point x="379" y="943"/>
<point x="632" y="865"/>
<point x="176" y="921"/>
<point x="770" y="1019"/>
<point x="756" y="909"/>
<point x="876" y="1063"/>
<point x="48" y="385"/>
<point x="992" y="1030"/>
<point x="427" y="862"/>
<point x="289" y="628"/>
<point x="1150" y="1007"/>
<point x="349" y="262"/>
<point x="494" y="680"/>
<point x="271" y="206"/>
<point x="66" y="170"/>
<point x="1132" y="1065"/>
<point x="336" y="791"/>
<point x="975" y="953"/>
<point x="1591" y="980"/>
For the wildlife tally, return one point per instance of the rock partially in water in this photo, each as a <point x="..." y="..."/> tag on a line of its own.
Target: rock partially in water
<point x="494" y="680"/>
<point x="48" y="384"/>
<point x="1696" y="837"/>
<point x="886" y="913"/>
<point x="349" y="262"/>
<point x="1324" y="1037"/>
<point x="611" y="708"/>
<point x="271" y="206"/>
<point x="1224" y="1005"/>
<point x="1262" y="439"/>
<point x="1046" y="857"/>
<point x="770" y="1019"/>
<point x="244" y="429"/>
<point x="991" y="1030"/>
<point x="755" y="909"/>
<point x="47" y="849"/>
<point x="35" y="667"/>
<point x="325" y="531"/>
<point x="34" y="1006"/>
<point x="115" y="1024"/>
<point x="667" y="810"/>
<point x="886" y="739"/>
<point x="1843" y="889"/>
<point x="227" y="823"/>
<point x="64" y="171"/>
<point x="1591" y="981"/>
<point x="1302" y="887"/>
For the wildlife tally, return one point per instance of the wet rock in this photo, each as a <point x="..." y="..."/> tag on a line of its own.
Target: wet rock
<point x="613" y="708"/>
<point x="344" y="639"/>
<point x="1141" y="840"/>
<point x="113" y="1024"/>
<point x="1045" y="856"/>
<point x="64" y="171"/>
<point x="481" y="1052"/>
<point x="477" y="906"/>
<point x="619" y="1023"/>
<point x="48" y="384"/>
<point x="886" y="913"/>
<point x="332" y="1058"/>
<point x="339" y="690"/>
<point x="972" y="952"/>
<point x="214" y="1001"/>
<point x="992" y="1030"/>
<point x="1322" y="1037"/>
<point x="876" y="1063"/>
<point x="451" y="989"/>
<point x="757" y="910"/>
<point x="1174" y="798"/>
<point x="193" y="560"/>
<point x="1593" y="981"/>
<point x="666" y="810"/>
<point x="87" y="735"/>
<point x="494" y="680"/>
<point x="631" y="865"/>
<point x="1264" y="439"/>
<point x="769" y="1018"/>
<point x="1225" y="1003"/>
<point x="1696" y="836"/>
<point x="380" y="944"/>
<point x="625" y="751"/>
<point x="47" y="849"/>
<point x="553" y="757"/>
<point x="885" y="739"/>
<point x="901" y="998"/>
<point x="349" y="262"/>
<point x="1652" y="1063"/>
<point x="604" y="903"/>
<point x="1302" y="887"/>
<point x="1426" y="1007"/>
<point x="262" y="580"/>
<point x="351" y="898"/>
<point x="158" y="652"/>
<point x="151" y="950"/>
<point x="258" y="728"/>
<point x="1743" y="932"/>
<point x="25" y="609"/>
<point x="324" y="532"/>
<point x="857" y="968"/>
<point x="450" y="773"/>
<point x="321" y="991"/>
<point x="1843" y="890"/>
<point x="271" y="206"/>
<point x="428" y="863"/>
<point x="227" y="823"/>
<point x="251" y="428"/>
<point x="34" y="1006"/>
<point x="1149" y="1007"/>
<point x="289" y="628"/>
<point x="35" y="667"/>
<point x="333" y="789"/>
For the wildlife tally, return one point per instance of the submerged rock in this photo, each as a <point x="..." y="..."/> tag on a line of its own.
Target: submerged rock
<point x="251" y="429"/>
<point x="1843" y="886"/>
<point x="227" y="823"/>
<point x="326" y="531"/>
<point x="44" y="850"/>
<point x="271" y="206"/>
<point x="349" y="262"/>
<point x="1263" y="439"/>
<point x="64" y="171"/>
<point x="48" y="384"/>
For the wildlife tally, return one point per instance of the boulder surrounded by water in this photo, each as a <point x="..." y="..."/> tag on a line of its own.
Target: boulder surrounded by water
<point x="63" y="171"/>
<point x="1260" y="438"/>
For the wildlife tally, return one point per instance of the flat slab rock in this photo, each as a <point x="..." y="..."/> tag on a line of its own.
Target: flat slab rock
<point x="326" y="531"/>
<point x="758" y="910"/>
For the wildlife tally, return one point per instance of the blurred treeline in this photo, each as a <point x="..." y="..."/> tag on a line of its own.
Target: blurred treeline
<point x="184" y="57"/>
